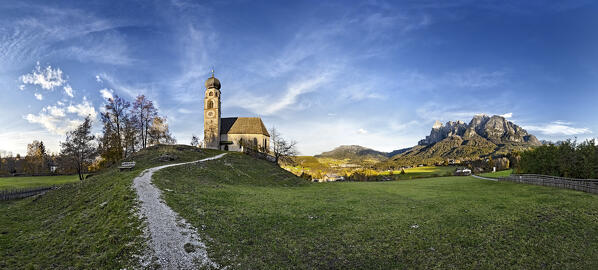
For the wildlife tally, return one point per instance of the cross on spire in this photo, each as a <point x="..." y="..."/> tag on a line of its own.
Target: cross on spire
<point x="212" y="71"/>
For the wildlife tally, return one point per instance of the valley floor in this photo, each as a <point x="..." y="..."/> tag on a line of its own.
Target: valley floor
<point x="36" y="181"/>
<point x="255" y="217"/>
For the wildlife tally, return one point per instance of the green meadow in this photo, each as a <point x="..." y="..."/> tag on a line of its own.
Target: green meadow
<point x="254" y="216"/>
<point x="87" y="224"/>
<point x="425" y="171"/>
<point x="498" y="174"/>
<point x="36" y="181"/>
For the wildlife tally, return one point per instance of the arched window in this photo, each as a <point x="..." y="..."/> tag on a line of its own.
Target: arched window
<point x="255" y="142"/>
<point x="215" y="94"/>
<point x="211" y="93"/>
<point x="210" y="104"/>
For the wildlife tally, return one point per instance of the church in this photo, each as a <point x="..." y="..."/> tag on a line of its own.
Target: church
<point x="230" y="133"/>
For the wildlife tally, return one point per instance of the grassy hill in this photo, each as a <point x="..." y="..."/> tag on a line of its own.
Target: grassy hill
<point x="256" y="216"/>
<point x="84" y="225"/>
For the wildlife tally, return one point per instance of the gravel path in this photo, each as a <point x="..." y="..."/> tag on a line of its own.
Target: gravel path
<point x="485" y="178"/>
<point x="168" y="232"/>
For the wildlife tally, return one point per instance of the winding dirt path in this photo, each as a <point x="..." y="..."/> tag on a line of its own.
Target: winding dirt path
<point x="169" y="233"/>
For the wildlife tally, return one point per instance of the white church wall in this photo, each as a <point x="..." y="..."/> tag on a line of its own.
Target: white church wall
<point x="236" y="138"/>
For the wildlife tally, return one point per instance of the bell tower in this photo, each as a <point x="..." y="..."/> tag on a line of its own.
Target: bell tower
<point x="211" y="113"/>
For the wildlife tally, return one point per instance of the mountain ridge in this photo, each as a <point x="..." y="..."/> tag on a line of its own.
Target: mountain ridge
<point x="483" y="136"/>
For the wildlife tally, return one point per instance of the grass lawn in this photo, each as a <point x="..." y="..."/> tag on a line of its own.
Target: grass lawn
<point x="421" y="172"/>
<point x="36" y="181"/>
<point x="498" y="174"/>
<point x="255" y="216"/>
<point x="88" y="224"/>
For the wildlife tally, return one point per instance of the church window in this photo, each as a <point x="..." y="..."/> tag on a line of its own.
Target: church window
<point x="211" y="93"/>
<point x="215" y="94"/>
<point x="210" y="104"/>
<point x="255" y="142"/>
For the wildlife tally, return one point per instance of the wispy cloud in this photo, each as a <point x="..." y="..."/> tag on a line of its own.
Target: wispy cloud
<point x="185" y="111"/>
<point x="59" y="118"/>
<point x="68" y="90"/>
<point x="432" y="111"/>
<point x="360" y="91"/>
<point x="325" y="135"/>
<point x="559" y="128"/>
<point x="267" y="105"/>
<point x="38" y="96"/>
<point x="83" y="109"/>
<point x="107" y="93"/>
<point x="42" y="30"/>
<point x="475" y="78"/>
<point x="195" y="44"/>
<point x="130" y="90"/>
<point x="109" y="48"/>
<point x="47" y="78"/>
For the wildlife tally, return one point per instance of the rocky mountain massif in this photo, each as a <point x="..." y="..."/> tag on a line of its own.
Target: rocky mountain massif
<point x="482" y="137"/>
<point x="496" y="129"/>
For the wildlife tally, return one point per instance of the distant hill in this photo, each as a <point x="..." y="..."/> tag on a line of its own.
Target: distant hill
<point x="359" y="152"/>
<point x="354" y="153"/>
<point x="483" y="136"/>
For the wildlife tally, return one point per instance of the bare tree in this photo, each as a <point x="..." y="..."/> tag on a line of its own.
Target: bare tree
<point x="114" y="119"/>
<point x="144" y="112"/>
<point x="78" y="147"/>
<point x="159" y="133"/>
<point x="130" y="132"/>
<point x="282" y="149"/>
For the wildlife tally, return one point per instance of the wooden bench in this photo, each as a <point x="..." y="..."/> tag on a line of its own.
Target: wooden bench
<point x="127" y="165"/>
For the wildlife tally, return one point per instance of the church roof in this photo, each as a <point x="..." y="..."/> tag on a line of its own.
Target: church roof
<point x="243" y="125"/>
<point x="212" y="82"/>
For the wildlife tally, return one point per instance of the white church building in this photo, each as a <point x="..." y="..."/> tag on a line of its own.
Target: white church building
<point x="230" y="133"/>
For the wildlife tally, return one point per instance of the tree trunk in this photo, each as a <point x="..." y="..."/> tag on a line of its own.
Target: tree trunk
<point x="79" y="171"/>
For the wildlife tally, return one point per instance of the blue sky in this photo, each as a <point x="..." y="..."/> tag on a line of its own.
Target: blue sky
<point x="324" y="73"/>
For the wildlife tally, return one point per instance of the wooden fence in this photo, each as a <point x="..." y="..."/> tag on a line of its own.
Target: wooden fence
<point x="12" y="194"/>
<point x="586" y="185"/>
